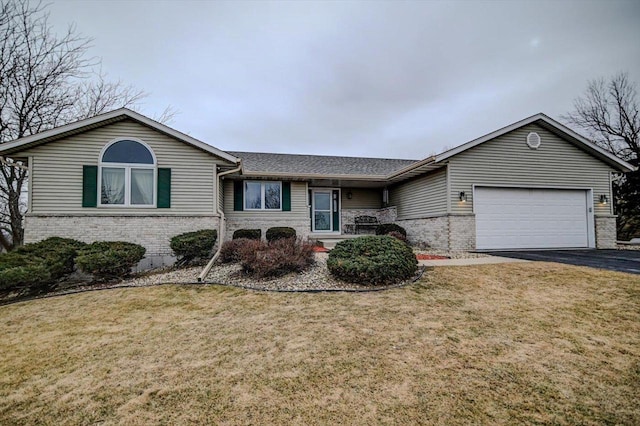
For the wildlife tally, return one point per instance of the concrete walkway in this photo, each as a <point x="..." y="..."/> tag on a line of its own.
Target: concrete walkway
<point x="470" y="261"/>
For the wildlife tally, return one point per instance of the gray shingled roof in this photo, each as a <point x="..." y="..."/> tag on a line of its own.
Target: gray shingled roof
<point x="259" y="162"/>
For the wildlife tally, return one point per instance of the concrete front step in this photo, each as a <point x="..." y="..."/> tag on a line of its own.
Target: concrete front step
<point x="330" y="241"/>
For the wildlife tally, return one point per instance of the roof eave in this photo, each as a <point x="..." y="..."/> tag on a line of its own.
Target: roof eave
<point x="313" y="176"/>
<point x="410" y="167"/>
<point x="51" y="135"/>
<point x="540" y="117"/>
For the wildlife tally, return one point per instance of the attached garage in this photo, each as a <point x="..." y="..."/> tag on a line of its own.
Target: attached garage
<point x="532" y="218"/>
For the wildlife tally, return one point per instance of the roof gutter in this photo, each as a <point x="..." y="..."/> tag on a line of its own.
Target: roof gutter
<point x="410" y="167"/>
<point x="221" y="227"/>
<point x="314" y="176"/>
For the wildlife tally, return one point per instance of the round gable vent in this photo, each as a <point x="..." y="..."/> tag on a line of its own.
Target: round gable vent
<point x="533" y="140"/>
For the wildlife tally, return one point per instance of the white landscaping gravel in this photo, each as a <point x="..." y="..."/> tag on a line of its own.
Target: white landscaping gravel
<point x="316" y="278"/>
<point x="628" y="246"/>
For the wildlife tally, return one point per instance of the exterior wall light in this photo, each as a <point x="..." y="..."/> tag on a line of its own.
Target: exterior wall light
<point x="604" y="199"/>
<point x="349" y="195"/>
<point x="463" y="197"/>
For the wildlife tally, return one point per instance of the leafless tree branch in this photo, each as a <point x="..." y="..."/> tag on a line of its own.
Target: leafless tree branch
<point x="46" y="80"/>
<point x="609" y="112"/>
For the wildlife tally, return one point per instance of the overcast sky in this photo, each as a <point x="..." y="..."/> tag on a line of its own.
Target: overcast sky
<point x="381" y="79"/>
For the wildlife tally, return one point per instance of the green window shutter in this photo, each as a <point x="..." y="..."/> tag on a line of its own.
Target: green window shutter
<point x="238" y="195"/>
<point x="336" y="210"/>
<point x="286" y="196"/>
<point x="89" y="186"/>
<point x="164" y="188"/>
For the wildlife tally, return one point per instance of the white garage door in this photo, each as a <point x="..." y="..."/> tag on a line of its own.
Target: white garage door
<point x="515" y="218"/>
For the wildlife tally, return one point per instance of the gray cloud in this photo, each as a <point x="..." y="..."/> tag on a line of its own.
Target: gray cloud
<point x="388" y="79"/>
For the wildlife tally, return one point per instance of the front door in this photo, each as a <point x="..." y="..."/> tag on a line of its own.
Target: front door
<point x="324" y="210"/>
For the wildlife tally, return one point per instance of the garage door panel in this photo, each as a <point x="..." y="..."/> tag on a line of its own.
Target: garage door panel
<point x="530" y="218"/>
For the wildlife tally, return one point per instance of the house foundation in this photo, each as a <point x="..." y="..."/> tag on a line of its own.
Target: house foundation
<point x="606" y="232"/>
<point x="152" y="232"/>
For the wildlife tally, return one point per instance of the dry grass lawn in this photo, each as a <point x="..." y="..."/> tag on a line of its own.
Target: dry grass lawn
<point x="532" y="343"/>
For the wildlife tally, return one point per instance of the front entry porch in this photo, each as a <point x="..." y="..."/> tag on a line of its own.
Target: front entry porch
<point x="333" y="210"/>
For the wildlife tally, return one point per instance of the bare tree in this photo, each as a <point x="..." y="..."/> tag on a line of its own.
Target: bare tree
<point x="46" y="80"/>
<point x="610" y="113"/>
<point x="99" y="95"/>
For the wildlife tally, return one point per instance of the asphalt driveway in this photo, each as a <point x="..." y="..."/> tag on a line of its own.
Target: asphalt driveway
<point x="613" y="260"/>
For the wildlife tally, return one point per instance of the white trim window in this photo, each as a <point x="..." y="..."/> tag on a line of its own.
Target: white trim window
<point x="262" y="195"/>
<point x="127" y="174"/>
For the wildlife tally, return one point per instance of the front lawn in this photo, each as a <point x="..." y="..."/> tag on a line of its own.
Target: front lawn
<point x="510" y="343"/>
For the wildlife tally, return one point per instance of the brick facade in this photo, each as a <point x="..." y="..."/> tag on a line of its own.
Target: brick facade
<point x="301" y="226"/>
<point x="606" y="232"/>
<point x="151" y="232"/>
<point x="462" y="232"/>
<point x="431" y="232"/>
<point x="458" y="232"/>
<point x="384" y="215"/>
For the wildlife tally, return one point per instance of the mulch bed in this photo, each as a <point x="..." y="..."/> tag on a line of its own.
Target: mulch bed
<point x="423" y="256"/>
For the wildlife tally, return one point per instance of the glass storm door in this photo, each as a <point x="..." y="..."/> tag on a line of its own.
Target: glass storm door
<point x="322" y="212"/>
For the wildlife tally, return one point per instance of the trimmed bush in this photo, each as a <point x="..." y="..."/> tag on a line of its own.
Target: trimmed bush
<point x="251" y="234"/>
<point x="193" y="245"/>
<point x="12" y="260"/>
<point x="386" y="228"/>
<point x="278" y="258"/>
<point x="372" y="260"/>
<point x="32" y="276"/>
<point x="231" y="250"/>
<point x="109" y="259"/>
<point x="399" y="236"/>
<point x="38" y="265"/>
<point x="57" y="254"/>
<point x="278" y="233"/>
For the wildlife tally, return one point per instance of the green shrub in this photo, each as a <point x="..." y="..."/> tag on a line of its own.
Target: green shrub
<point x="109" y="259"/>
<point x="12" y="260"/>
<point x="32" y="276"/>
<point x="251" y="234"/>
<point x="397" y="235"/>
<point x="193" y="245"/>
<point x="39" y="265"/>
<point x="57" y="254"/>
<point x="280" y="232"/>
<point x="387" y="228"/>
<point x="231" y="250"/>
<point x="372" y="260"/>
<point x="280" y="257"/>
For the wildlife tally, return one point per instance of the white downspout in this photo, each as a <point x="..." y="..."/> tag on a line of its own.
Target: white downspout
<point x="207" y="268"/>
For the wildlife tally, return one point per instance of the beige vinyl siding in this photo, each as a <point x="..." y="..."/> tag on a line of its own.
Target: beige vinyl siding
<point x="299" y="209"/>
<point x="508" y="161"/>
<point x="57" y="172"/>
<point x="421" y="197"/>
<point x="361" y="198"/>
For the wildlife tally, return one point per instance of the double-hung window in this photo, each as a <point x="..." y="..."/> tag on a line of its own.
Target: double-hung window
<point x="127" y="175"/>
<point x="262" y="195"/>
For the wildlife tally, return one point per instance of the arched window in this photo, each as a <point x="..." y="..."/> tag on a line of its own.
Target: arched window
<point x="127" y="174"/>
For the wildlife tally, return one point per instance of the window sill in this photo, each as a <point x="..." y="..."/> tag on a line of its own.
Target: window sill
<point x="123" y="206"/>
